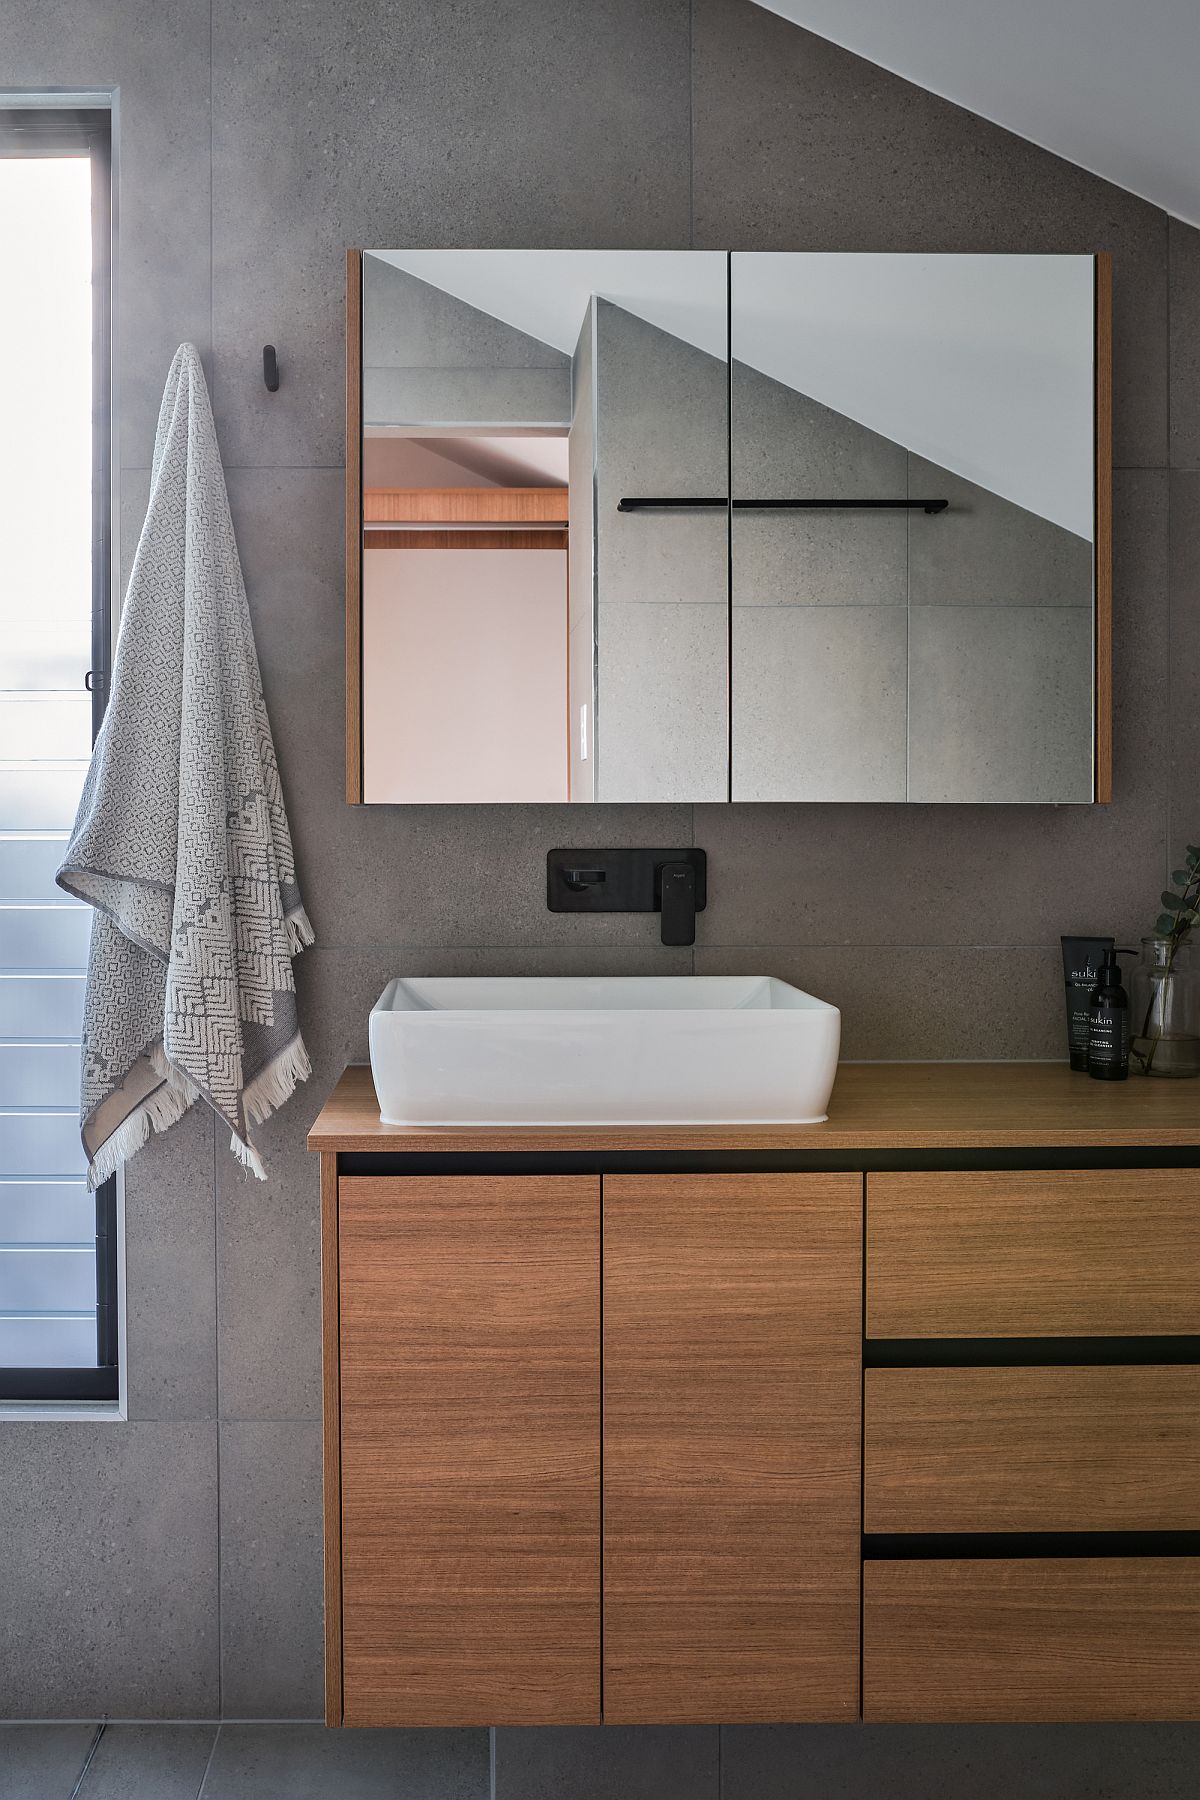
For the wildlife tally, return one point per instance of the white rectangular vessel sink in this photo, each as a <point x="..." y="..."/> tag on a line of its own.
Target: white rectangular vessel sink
<point x="613" y="1050"/>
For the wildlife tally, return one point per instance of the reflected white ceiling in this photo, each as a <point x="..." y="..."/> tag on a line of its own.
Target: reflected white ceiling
<point x="1107" y="84"/>
<point x="982" y="364"/>
<point x="546" y="293"/>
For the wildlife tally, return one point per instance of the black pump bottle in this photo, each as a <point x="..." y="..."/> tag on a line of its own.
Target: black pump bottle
<point x="1108" y="1024"/>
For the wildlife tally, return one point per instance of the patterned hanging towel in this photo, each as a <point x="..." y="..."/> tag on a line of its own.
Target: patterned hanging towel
<point x="181" y="843"/>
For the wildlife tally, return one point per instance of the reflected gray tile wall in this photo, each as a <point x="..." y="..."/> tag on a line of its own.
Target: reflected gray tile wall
<point x="662" y="428"/>
<point x="1000" y="703"/>
<point x="360" y="126"/>
<point x="787" y="446"/>
<point x="429" y="358"/>
<point x="661" y="709"/>
<point x="819" y="702"/>
<point x="993" y="711"/>
<point x="984" y="551"/>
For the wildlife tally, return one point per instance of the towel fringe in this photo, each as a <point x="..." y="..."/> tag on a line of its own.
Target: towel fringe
<point x="156" y="1113"/>
<point x="248" y="1156"/>
<point x="276" y="1084"/>
<point x="300" y="932"/>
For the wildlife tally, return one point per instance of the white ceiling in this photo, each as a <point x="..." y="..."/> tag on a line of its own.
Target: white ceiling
<point x="1109" y="84"/>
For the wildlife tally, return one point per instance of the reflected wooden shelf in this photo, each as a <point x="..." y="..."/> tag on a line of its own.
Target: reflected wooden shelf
<point x="545" y="506"/>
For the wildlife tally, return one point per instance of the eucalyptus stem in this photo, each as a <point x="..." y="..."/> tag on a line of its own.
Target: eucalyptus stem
<point x="1174" y="926"/>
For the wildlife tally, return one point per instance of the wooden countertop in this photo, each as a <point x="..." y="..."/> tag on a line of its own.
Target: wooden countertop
<point x="875" y="1106"/>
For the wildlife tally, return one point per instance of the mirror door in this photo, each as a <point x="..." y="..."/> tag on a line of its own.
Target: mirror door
<point x="913" y="457"/>
<point x="545" y="440"/>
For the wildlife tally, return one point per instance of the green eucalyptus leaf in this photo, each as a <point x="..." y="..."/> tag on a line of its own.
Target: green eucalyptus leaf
<point x="1163" y="923"/>
<point x="1172" y="901"/>
<point x="1181" y="877"/>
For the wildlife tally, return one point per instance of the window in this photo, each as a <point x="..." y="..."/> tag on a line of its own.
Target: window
<point x="57" y="1242"/>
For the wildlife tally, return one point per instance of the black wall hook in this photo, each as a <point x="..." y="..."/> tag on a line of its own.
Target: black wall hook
<point x="270" y="368"/>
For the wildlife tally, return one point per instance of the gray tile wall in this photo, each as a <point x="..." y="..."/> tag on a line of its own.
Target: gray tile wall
<point x="167" y="1568"/>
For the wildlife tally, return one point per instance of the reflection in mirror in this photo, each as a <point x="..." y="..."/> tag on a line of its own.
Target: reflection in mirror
<point x="523" y="639"/>
<point x="883" y="651"/>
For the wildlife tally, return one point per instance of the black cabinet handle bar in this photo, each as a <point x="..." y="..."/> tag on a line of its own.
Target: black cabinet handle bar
<point x="930" y="506"/>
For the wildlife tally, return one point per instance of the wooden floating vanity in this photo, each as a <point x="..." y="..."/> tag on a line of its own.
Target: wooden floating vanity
<point x="895" y="1417"/>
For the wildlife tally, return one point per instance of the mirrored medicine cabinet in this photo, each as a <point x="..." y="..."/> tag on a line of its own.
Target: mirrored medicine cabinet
<point x="693" y="526"/>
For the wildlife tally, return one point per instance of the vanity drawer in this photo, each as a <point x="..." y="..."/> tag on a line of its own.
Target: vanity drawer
<point x="1008" y="1449"/>
<point x="1033" y="1639"/>
<point x="1034" y="1253"/>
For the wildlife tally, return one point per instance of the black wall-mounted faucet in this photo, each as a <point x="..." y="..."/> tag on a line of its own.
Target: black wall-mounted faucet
<point x="671" y="882"/>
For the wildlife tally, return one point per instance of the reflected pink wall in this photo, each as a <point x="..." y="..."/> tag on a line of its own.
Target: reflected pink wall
<point x="465" y="675"/>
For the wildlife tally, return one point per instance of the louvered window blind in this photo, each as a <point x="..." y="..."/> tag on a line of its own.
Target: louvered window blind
<point x="57" y="1241"/>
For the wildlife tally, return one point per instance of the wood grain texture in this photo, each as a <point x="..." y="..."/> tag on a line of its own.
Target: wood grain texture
<point x="470" y="1361"/>
<point x="1103" y="527"/>
<point x="509" y="539"/>
<point x="1031" y="1640"/>
<point x="466" y="506"/>
<point x="1018" y="1449"/>
<point x="732" y="1322"/>
<point x="331" y="1422"/>
<point x="1069" y="1253"/>
<point x="875" y="1106"/>
<point x="354" y="777"/>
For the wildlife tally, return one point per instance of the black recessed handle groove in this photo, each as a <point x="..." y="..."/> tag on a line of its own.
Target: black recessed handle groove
<point x="1028" y="1352"/>
<point x="941" y="1546"/>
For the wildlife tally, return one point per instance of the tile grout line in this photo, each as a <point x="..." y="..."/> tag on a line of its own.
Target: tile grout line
<point x="208" y="1764"/>
<point x="101" y="1728"/>
<point x="212" y="330"/>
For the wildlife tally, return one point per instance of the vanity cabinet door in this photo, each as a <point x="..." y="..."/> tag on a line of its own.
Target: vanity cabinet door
<point x="732" y="1358"/>
<point x="470" y="1449"/>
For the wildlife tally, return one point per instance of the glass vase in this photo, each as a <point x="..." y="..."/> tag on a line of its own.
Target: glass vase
<point x="1165" y="1011"/>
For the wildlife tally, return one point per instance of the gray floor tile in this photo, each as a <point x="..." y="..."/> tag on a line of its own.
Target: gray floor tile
<point x="307" y="1762"/>
<point x="951" y="1762"/>
<point x="272" y="1647"/>
<point x="607" y="1762"/>
<point x="42" y="1762"/>
<point x="149" y="1762"/>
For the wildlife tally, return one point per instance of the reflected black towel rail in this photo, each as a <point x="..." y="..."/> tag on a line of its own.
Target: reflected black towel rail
<point x="930" y="506"/>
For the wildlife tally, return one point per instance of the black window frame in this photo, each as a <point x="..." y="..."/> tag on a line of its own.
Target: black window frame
<point x="32" y="131"/>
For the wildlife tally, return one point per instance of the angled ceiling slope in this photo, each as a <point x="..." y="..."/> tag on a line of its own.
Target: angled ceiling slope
<point x="1106" y="84"/>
